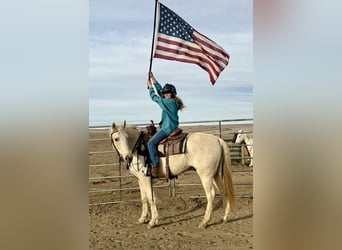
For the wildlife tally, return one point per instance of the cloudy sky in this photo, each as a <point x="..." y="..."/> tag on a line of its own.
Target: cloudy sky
<point x="120" y="36"/>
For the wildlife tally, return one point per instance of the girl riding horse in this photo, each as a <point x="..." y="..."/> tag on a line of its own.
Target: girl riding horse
<point x="170" y="104"/>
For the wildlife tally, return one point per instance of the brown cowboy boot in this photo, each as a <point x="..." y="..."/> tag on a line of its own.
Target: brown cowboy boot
<point x="155" y="172"/>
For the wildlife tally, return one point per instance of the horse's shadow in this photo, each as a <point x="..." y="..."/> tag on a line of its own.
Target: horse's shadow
<point x="232" y="220"/>
<point x="217" y="206"/>
<point x="180" y="219"/>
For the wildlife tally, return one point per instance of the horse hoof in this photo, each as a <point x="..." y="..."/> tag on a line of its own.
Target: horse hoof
<point x="150" y="226"/>
<point x="225" y="219"/>
<point x="139" y="222"/>
<point x="202" y="225"/>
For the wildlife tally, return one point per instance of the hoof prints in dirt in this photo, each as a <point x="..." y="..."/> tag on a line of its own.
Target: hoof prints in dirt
<point x="114" y="226"/>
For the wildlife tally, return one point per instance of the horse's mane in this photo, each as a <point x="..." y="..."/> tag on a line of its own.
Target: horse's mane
<point x="133" y="133"/>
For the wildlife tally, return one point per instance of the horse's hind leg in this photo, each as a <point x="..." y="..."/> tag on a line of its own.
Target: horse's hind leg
<point x="210" y="193"/>
<point x="226" y="206"/>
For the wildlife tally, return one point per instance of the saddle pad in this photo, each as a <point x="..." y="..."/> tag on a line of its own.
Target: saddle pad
<point x="173" y="145"/>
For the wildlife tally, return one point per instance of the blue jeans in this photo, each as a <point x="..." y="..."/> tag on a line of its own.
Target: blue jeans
<point x="152" y="147"/>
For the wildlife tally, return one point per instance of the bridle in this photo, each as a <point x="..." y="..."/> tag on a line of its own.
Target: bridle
<point x="137" y="144"/>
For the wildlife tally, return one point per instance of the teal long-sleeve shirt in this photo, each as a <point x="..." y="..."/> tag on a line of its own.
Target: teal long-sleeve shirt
<point x="169" y="116"/>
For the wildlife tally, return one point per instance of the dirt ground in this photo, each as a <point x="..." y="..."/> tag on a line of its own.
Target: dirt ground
<point x="114" y="226"/>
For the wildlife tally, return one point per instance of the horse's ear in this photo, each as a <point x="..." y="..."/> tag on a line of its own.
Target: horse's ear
<point x="113" y="125"/>
<point x="124" y="124"/>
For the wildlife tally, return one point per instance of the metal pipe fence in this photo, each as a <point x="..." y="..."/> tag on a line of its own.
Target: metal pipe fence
<point x="104" y="178"/>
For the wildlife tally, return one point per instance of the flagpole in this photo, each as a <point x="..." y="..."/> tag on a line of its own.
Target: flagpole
<point x="154" y="31"/>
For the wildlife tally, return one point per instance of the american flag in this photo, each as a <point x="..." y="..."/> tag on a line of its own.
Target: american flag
<point x="176" y="40"/>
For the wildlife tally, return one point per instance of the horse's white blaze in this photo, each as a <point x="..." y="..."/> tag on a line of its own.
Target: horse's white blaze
<point x="208" y="154"/>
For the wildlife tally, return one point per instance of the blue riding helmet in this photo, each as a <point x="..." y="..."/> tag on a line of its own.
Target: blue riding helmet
<point x="169" y="88"/>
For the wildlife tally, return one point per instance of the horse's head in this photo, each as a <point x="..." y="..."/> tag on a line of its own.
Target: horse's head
<point x="240" y="136"/>
<point x="120" y="141"/>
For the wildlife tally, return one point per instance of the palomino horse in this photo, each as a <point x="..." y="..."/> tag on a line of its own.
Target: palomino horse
<point x="208" y="154"/>
<point x="243" y="136"/>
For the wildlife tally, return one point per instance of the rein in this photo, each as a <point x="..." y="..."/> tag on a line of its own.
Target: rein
<point x="139" y="141"/>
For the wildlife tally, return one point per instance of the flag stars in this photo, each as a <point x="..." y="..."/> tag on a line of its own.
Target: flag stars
<point x="173" y="25"/>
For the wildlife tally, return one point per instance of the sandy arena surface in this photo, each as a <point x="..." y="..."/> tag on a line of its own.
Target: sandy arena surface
<point x="114" y="226"/>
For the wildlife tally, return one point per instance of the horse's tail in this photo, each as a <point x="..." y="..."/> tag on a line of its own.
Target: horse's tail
<point x="227" y="175"/>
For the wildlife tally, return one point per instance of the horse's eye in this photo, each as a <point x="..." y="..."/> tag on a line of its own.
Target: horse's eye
<point x="116" y="139"/>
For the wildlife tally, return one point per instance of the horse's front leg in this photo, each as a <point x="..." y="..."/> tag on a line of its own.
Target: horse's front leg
<point x="144" y="205"/>
<point x="151" y="200"/>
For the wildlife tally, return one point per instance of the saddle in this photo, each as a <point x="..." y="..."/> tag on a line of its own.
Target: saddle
<point x="174" y="144"/>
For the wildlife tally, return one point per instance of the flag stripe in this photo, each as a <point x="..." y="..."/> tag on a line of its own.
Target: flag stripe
<point x="213" y="50"/>
<point x="176" y="42"/>
<point x="184" y="58"/>
<point x="219" y="51"/>
<point x="177" y="55"/>
<point x="178" y="46"/>
<point x="183" y="52"/>
<point x="212" y="76"/>
<point x="206" y="67"/>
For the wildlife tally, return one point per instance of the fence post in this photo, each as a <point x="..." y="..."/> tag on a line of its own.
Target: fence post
<point x="220" y="129"/>
<point x="242" y="147"/>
